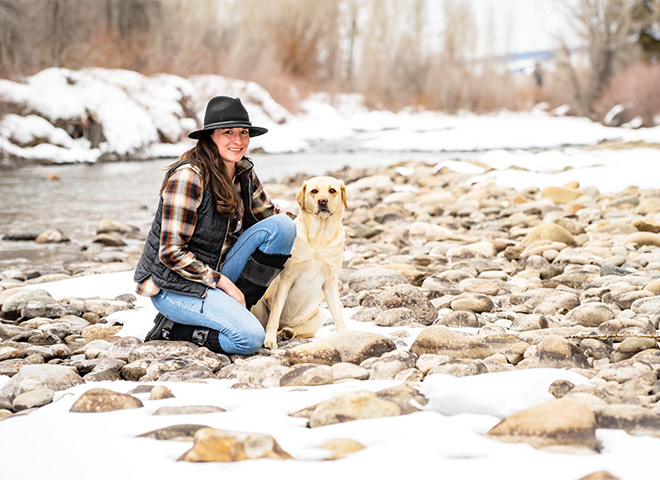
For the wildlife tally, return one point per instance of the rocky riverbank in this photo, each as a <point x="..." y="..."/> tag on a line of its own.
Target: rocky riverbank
<point x="463" y="279"/>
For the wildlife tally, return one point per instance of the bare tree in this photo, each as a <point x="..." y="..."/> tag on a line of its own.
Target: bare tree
<point x="604" y="27"/>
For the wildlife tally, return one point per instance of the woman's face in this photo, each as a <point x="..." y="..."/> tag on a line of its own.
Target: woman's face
<point x="232" y="143"/>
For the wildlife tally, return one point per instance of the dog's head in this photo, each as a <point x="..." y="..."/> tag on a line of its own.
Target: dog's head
<point x="322" y="196"/>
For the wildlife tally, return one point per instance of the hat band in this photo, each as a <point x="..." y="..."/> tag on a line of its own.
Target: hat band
<point x="237" y="123"/>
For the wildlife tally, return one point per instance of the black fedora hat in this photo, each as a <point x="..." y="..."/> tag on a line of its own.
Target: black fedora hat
<point x="226" y="112"/>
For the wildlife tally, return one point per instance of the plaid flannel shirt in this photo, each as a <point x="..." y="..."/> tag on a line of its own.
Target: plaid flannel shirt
<point x="182" y="197"/>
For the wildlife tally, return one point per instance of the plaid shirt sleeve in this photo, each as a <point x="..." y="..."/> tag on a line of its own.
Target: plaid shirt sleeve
<point x="181" y="198"/>
<point x="262" y="207"/>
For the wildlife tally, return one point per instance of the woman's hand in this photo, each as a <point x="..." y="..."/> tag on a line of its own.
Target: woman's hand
<point x="230" y="289"/>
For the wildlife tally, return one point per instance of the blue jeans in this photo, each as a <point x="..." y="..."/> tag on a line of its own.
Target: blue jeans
<point x="238" y="330"/>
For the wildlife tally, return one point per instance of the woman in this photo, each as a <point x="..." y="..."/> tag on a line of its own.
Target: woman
<point x="216" y="241"/>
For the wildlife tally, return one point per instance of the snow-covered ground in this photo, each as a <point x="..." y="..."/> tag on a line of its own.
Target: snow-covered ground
<point x="446" y="438"/>
<point x="422" y="442"/>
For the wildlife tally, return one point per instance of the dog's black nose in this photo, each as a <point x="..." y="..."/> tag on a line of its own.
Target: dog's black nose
<point x="322" y="201"/>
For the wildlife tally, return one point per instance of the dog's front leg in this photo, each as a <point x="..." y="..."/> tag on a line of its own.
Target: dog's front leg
<point x="331" y="292"/>
<point x="277" y="305"/>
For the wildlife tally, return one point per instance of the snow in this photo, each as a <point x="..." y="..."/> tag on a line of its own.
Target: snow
<point x="137" y="112"/>
<point x="446" y="436"/>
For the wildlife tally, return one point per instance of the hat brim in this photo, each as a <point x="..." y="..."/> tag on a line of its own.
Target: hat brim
<point x="254" y="131"/>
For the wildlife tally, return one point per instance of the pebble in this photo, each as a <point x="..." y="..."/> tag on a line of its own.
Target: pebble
<point x="213" y="445"/>
<point x="563" y="422"/>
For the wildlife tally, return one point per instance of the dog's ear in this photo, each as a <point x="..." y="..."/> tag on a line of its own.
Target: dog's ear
<point x="300" y="196"/>
<point x="343" y="194"/>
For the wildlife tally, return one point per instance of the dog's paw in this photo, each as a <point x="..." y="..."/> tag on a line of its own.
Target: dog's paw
<point x="270" y="343"/>
<point x="285" y="334"/>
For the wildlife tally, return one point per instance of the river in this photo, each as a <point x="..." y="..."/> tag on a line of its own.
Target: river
<point x="125" y="191"/>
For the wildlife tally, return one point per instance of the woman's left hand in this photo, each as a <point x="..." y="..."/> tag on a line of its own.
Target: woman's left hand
<point x="230" y="289"/>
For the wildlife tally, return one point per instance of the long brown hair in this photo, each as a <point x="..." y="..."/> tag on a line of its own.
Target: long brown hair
<point x="204" y="155"/>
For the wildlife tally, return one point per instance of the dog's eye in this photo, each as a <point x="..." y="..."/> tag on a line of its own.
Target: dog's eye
<point x="332" y="190"/>
<point x="314" y="191"/>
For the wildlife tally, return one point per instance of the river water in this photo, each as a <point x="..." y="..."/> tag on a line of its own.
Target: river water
<point x="124" y="191"/>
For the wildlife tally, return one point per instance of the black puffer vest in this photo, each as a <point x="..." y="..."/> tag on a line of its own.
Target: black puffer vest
<point x="206" y="242"/>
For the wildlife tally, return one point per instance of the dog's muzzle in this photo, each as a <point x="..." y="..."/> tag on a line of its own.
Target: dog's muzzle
<point x="323" y="208"/>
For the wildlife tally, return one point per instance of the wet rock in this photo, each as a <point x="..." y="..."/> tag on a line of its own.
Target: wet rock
<point x="177" y="433"/>
<point x="643" y="238"/>
<point x="548" y="231"/>
<point x="472" y="302"/>
<point x="109" y="240"/>
<point x="607" y="269"/>
<point x="322" y="353"/>
<point x="121" y="349"/>
<point x="557" y="352"/>
<point x="460" y="368"/>
<point x="388" y="365"/>
<point x="159" y="349"/>
<point x="346" y="407"/>
<point x="250" y="371"/>
<point x="307" y="374"/>
<point x="405" y="296"/>
<point x="427" y="361"/>
<point x="108" y="225"/>
<point x="558" y="304"/>
<point x="373" y="278"/>
<point x="100" y="331"/>
<point x="8" y="353"/>
<point x="33" y="399"/>
<point x="356" y="346"/>
<point x="31" y="304"/>
<point x="395" y="317"/>
<point x="103" y="400"/>
<point x="5" y="404"/>
<point x="646" y="306"/>
<point x="52" y="235"/>
<point x="212" y="445"/>
<point x="406" y="396"/>
<point x="104" y="306"/>
<point x="443" y="341"/>
<point x="563" y="422"/>
<point x="187" y="374"/>
<point x="589" y="315"/>
<point x="32" y="377"/>
<point x="561" y="195"/>
<point x="634" y="345"/>
<point x="559" y="388"/>
<point x="349" y="371"/>
<point x="527" y="322"/>
<point x="460" y="318"/>
<point x="634" y="419"/>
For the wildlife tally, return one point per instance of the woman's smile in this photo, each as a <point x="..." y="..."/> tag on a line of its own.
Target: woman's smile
<point x="232" y="143"/>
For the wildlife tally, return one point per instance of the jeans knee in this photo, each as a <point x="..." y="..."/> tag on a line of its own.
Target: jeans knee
<point x="253" y="340"/>
<point x="283" y="232"/>
<point x="286" y="226"/>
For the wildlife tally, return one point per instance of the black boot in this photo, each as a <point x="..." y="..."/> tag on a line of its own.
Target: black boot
<point x="166" y="329"/>
<point x="260" y="270"/>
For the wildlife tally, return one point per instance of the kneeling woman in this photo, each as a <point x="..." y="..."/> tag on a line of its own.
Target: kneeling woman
<point x="216" y="242"/>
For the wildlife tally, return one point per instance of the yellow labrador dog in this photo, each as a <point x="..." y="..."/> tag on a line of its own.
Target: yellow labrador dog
<point x="292" y="300"/>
